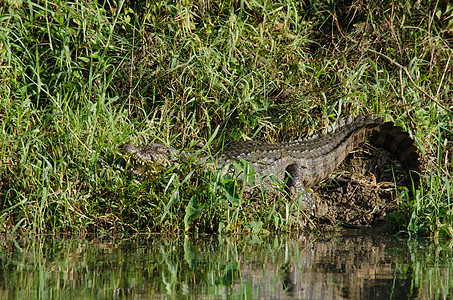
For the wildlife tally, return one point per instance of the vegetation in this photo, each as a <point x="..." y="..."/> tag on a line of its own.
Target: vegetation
<point x="243" y="266"/>
<point x="80" y="78"/>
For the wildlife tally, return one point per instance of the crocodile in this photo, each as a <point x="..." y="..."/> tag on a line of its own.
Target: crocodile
<point x="305" y="162"/>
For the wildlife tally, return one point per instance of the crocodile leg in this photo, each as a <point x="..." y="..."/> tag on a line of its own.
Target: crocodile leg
<point x="295" y="186"/>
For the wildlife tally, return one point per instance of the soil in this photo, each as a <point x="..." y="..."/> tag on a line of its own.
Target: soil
<point x="362" y="192"/>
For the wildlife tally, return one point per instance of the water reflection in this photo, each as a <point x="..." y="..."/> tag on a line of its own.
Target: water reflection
<point x="352" y="265"/>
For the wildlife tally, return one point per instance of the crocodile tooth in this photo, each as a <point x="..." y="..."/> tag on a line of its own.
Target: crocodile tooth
<point x="310" y="159"/>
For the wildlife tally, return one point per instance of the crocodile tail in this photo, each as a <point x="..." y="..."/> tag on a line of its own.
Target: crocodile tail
<point x="400" y="144"/>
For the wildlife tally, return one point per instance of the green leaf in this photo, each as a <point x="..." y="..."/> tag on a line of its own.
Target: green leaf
<point x="173" y="198"/>
<point x="193" y="211"/>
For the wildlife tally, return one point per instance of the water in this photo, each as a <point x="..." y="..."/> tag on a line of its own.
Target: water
<point x="351" y="265"/>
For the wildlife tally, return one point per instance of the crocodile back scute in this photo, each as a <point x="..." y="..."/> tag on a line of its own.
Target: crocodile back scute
<point x="399" y="143"/>
<point x="314" y="158"/>
<point x="306" y="160"/>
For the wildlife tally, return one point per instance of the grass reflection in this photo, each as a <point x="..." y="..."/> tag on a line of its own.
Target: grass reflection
<point x="351" y="266"/>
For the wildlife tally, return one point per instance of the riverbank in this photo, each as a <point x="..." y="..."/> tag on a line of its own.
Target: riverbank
<point x="79" y="79"/>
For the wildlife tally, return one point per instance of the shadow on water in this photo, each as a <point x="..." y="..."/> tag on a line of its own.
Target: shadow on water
<point x="352" y="265"/>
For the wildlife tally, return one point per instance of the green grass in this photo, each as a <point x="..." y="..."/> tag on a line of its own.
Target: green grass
<point x="77" y="79"/>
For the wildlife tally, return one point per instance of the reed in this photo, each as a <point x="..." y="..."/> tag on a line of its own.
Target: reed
<point x="77" y="79"/>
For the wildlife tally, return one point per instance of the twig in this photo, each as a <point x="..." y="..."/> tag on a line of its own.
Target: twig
<point x="443" y="75"/>
<point x="398" y="65"/>
<point x="408" y="75"/>
<point x="131" y="78"/>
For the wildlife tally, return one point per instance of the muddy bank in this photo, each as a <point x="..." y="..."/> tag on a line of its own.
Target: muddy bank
<point x="361" y="192"/>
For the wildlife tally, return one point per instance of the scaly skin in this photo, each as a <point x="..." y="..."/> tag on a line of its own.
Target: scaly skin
<point x="306" y="161"/>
